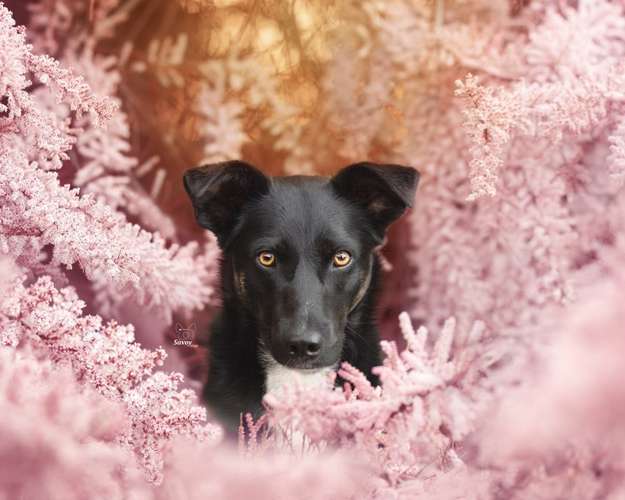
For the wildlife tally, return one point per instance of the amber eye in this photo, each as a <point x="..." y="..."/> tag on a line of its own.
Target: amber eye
<point x="342" y="258"/>
<point x="266" y="259"/>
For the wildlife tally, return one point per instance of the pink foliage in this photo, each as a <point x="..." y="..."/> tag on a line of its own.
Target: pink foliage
<point x="198" y="472"/>
<point x="510" y="386"/>
<point x="109" y="250"/>
<point x="617" y="150"/>
<point x="575" y="389"/>
<point x="551" y="110"/>
<point x="108" y="169"/>
<point x="37" y="211"/>
<point x="104" y="357"/>
<point x="60" y="434"/>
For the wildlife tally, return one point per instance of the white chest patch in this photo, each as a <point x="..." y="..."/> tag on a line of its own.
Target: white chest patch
<point x="277" y="376"/>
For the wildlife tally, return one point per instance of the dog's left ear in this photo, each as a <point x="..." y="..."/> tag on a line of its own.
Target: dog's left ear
<point x="384" y="191"/>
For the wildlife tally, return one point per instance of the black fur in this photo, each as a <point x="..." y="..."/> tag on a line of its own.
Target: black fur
<point x="304" y="310"/>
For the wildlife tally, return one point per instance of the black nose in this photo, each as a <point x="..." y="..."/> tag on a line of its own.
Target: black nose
<point x="307" y="347"/>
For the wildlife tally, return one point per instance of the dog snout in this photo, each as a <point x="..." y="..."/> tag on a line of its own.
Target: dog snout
<point x="307" y="347"/>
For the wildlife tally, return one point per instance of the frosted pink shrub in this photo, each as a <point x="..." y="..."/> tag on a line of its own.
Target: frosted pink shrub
<point x="108" y="168"/>
<point x="57" y="439"/>
<point x="539" y="136"/>
<point x="106" y="165"/>
<point x="37" y="211"/>
<point x="24" y="122"/>
<point x="517" y="396"/>
<point x="60" y="440"/>
<point x="576" y="392"/>
<point x="197" y="472"/>
<point x="106" y="359"/>
<point x="559" y="432"/>
<point x="551" y="110"/>
<point x="617" y="152"/>
<point x="134" y="262"/>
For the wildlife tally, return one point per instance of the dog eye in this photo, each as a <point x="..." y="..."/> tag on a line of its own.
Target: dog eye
<point x="266" y="259"/>
<point x="342" y="258"/>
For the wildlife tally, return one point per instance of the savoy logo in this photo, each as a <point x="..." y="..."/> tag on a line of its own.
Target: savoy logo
<point x="185" y="335"/>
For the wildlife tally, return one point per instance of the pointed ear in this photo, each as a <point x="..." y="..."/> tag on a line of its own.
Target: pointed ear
<point x="219" y="192"/>
<point x="383" y="191"/>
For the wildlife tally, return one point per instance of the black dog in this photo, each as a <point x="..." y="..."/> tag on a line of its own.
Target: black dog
<point x="299" y="273"/>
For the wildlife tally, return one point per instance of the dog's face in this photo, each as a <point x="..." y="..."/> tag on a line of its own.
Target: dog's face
<point x="300" y="249"/>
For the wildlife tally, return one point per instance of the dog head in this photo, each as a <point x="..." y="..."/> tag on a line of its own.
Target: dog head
<point x="299" y="250"/>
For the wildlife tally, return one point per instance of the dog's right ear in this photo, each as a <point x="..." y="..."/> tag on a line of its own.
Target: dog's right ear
<point x="219" y="192"/>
